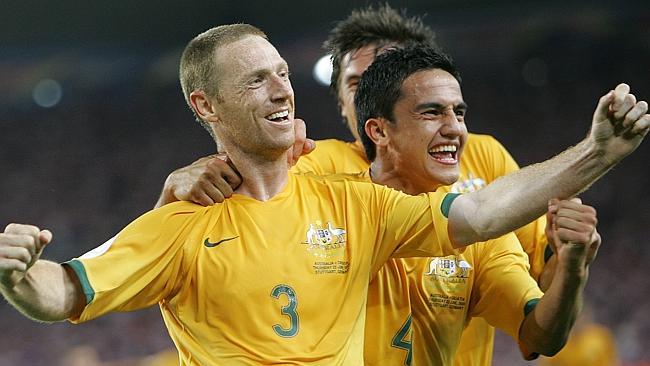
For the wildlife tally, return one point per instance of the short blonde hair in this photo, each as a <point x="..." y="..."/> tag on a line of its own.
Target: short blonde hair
<point x="197" y="69"/>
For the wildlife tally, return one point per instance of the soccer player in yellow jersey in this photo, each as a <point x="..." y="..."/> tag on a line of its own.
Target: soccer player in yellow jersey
<point x="415" y="134"/>
<point x="278" y="274"/>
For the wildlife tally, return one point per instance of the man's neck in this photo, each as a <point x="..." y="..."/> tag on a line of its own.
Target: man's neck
<point x="385" y="173"/>
<point x="262" y="177"/>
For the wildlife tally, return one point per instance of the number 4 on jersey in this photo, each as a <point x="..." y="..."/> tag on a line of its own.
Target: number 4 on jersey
<point x="403" y="340"/>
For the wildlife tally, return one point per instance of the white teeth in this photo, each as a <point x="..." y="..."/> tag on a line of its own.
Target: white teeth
<point x="443" y="148"/>
<point x="281" y="114"/>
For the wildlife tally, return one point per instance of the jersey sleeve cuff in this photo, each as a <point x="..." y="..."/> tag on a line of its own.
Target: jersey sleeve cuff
<point x="446" y="203"/>
<point x="526" y="354"/>
<point x="80" y="271"/>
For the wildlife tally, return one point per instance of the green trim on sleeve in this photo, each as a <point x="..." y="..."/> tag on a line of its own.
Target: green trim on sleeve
<point x="548" y="253"/>
<point x="530" y="305"/>
<point x="446" y="203"/>
<point x="79" y="269"/>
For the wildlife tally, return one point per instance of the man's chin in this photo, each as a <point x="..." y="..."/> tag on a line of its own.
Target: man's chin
<point x="447" y="179"/>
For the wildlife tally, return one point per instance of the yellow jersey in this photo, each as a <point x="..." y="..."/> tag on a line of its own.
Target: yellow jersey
<point x="418" y="308"/>
<point x="483" y="160"/>
<point x="278" y="282"/>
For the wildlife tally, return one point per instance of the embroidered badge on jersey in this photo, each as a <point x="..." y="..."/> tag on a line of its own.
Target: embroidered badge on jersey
<point x="446" y="282"/>
<point x="327" y="244"/>
<point x="470" y="184"/>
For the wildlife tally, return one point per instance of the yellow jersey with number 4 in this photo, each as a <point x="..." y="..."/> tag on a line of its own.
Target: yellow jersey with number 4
<point x="484" y="159"/>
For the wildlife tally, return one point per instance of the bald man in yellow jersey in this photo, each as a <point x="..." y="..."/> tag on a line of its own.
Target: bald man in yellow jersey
<point x="279" y="273"/>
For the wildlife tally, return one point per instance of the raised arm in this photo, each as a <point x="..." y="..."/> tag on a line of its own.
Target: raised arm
<point x="619" y="125"/>
<point x="40" y="289"/>
<point x="546" y="329"/>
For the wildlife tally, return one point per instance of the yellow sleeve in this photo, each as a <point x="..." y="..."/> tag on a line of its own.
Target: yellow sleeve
<point x="139" y="266"/>
<point x="503" y="287"/>
<point x="531" y="236"/>
<point x="409" y="226"/>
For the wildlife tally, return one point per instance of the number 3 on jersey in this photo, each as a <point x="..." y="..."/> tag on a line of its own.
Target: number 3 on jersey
<point x="288" y="310"/>
<point x="403" y="340"/>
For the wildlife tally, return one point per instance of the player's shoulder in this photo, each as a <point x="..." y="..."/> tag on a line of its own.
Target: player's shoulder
<point x="334" y="147"/>
<point x="332" y="143"/>
<point x="482" y="141"/>
<point x="340" y="178"/>
<point x="174" y="209"/>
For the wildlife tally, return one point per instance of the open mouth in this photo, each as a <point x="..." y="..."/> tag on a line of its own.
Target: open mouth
<point x="279" y="117"/>
<point x="445" y="154"/>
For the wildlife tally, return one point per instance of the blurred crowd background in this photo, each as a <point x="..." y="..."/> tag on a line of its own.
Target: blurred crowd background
<point x="92" y="120"/>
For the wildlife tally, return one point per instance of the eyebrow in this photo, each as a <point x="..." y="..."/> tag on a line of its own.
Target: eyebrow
<point x="434" y="105"/>
<point x="264" y="71"/>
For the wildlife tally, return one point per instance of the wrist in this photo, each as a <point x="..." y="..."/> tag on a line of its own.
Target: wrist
<point x="597" y="151"/>
<point x="573" y="273"/>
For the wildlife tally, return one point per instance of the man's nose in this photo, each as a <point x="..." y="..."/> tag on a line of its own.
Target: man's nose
<point x="281" y="88"/>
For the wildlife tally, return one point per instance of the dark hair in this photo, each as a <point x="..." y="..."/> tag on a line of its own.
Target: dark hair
<point x="379" y="26"/>
<point x="381" y="84"/>
<point x="197" y="68"/>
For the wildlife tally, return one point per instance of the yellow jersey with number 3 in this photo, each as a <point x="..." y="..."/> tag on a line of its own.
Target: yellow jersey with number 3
<point x="277" y="282"/>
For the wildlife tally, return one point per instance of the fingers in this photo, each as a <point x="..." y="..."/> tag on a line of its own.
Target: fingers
<point x="575" y="222"/>
<point x="634" y="113"/>
<point x="592" y="250"/>
<point x="619" y="95"/>
<point x="21" y="245"/>
<point x="641" y="126"/>
<point x="301" y="136"/>
<point x="622" y="104"/>
<point x="216" y="183"/>
<point x="28" y="236"/>
<point x="302" y="144"/>
<point x="604" y="105"/>
<point x="204" y="193"/>
<point x="45" y="236"/>
<point x="629" y="115"/>
<point x="15" y="258"/>
<point x="309" y="146"/>
<point x="231" y="175"/>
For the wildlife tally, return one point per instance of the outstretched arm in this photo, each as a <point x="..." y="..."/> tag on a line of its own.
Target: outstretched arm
<point x="546" y="329"/>
<point x="619" y="125"/>
<point x="40" y="289"/>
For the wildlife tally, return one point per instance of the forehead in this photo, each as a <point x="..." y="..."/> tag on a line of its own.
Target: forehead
<point x="355" y="62"/>
<point x="247" y="55"/>
<point x="433" y="85"/>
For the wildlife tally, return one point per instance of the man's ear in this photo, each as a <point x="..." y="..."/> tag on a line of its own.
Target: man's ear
<point x="203" y="106"/>
<point x="376" y="129"/>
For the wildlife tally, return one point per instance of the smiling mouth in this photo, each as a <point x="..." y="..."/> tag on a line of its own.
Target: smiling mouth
<point x="279" y="117"/>
<point x="445" y="154"/>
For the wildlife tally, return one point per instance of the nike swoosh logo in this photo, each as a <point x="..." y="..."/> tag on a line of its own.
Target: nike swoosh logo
<point x="211" y="245"/>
